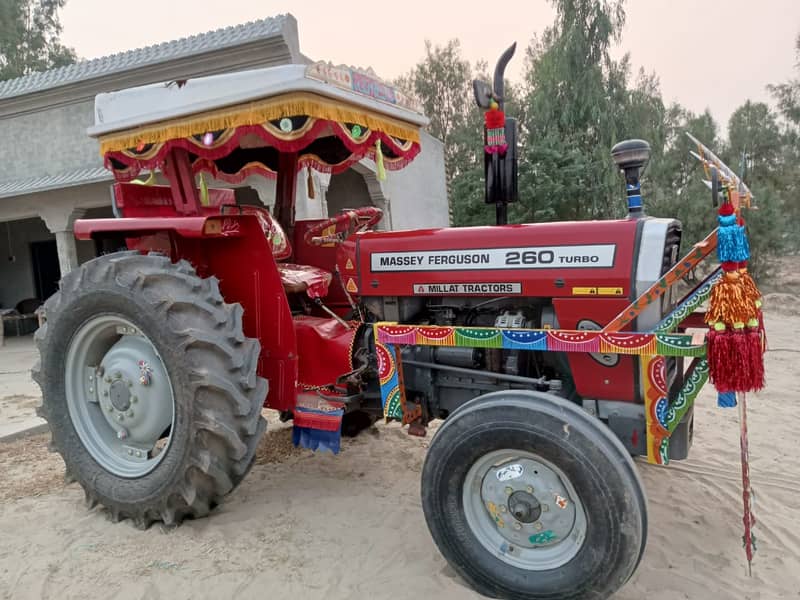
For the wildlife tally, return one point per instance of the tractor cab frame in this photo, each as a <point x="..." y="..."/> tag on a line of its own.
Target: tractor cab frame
<point x="269" y="123"/>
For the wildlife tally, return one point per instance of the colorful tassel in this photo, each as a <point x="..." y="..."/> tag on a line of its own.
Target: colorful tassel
<point x="721" y="358"/>
<point x="745" y="242"/>
<point x="495" y="122"/>
<point x="728" y="303"/>
<point x="754" y="357"/>
<point x="203" y="191"/>
<point x="317" y="429"/>
<point x="379" y="161"/>
<point x="749" y="288"/>
<point x="148" y="182"/>
<point x="731" y="242"/>
<point x="310" y="184"/>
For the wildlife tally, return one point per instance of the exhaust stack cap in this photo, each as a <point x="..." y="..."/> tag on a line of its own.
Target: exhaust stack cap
<point x="631" y="156"/>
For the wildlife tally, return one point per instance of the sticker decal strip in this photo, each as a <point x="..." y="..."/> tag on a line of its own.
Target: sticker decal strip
<point x="549" y="340"/>
<point x="480" y="259"/>
<point x="421" y="289"/>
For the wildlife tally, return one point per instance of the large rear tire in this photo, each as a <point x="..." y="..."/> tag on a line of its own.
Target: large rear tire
<point x="149" y="387"/>
<point x="528" y="497"/>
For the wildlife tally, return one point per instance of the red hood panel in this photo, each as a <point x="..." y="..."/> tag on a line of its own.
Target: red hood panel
<point x="584" y="258"/>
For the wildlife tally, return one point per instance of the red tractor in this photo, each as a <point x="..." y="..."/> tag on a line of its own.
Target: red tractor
<point x="554" y="351"/>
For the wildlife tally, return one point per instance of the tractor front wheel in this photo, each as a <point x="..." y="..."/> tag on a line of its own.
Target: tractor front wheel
<point x="149" y="387"/>
<point x="528" y="497"/>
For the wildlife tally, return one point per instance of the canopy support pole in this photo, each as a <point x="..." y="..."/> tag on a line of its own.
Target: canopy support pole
<point x="285" y="190"/>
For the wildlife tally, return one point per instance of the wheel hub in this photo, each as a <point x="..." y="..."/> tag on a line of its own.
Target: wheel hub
<point x="524" y="510"/>
<point x="135" y="393"/>
<point x="532" y="502"/>
<point x="120" y="395"/>
<point x="524" y="506"/>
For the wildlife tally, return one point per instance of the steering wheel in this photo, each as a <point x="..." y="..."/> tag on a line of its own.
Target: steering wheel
<point x="343" y="226"/>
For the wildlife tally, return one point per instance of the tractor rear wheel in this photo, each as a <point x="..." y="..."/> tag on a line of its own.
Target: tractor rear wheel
<point x="528" y="497"/>
<point x="149" y="387"/>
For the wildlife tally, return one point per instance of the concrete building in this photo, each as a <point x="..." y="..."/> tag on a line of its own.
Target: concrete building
<point x="52" y="173"/>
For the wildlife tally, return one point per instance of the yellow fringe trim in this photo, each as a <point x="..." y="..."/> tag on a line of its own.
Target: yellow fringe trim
<point x="255" y="113"/>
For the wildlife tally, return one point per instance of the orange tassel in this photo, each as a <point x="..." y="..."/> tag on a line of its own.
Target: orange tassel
<point x="728" y="303"/>
<point x="310" y="184"/>
<point x="749" y="288"/>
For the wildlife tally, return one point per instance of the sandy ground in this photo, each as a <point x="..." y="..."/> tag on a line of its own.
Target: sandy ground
<point x="19" y="396"/>
<point x="351" y="526"/>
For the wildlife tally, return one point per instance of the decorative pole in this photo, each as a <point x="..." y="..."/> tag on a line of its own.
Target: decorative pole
<point x="736" y="341"/>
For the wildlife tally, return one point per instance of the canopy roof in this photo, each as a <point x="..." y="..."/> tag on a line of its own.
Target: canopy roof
<point x="235" y="125"/>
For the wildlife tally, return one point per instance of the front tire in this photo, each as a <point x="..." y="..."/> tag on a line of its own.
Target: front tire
<point x="528" y="497"/>
<point x="149" y="387"/>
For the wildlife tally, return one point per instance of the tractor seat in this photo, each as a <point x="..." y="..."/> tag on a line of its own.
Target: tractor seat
<point x="305" y="278"/>
<point x="296" y="278"/>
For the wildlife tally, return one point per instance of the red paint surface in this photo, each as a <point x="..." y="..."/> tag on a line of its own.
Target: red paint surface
<point x="590" y="375"/>
<point x="323" y="346"/>
<point x="242" y="261"/>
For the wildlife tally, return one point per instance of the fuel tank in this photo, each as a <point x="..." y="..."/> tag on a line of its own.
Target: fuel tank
<point x="565" y="259"/>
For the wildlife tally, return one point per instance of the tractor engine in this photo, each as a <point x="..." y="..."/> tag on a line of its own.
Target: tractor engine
<point x="567" y="275"/>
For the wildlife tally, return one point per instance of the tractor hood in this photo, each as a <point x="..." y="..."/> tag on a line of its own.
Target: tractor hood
<point x="584" y="258"/>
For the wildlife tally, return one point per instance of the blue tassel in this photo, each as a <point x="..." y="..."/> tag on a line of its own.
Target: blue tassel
<point x="726" y="399"/>
<point x="744" y="242"/>
<point x="726" y="238"/>
<point x="315" y="439"/>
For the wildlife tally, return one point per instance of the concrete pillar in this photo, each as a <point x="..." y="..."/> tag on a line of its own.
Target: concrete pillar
<point x="67" y="251"/>
<point x="59" y="221"/>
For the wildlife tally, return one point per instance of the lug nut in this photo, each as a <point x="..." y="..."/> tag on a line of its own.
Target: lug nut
<point x="91" y="378"/>
<point x="91" y="390"/>
<point x="108" y="379"/>
<point x="138" y="453"/>
<point x="122" y="434"/>
<point x="105" y="392"/>
<point x="517" y="526"/>
<point x="118" y="375"/>
<point x="120" y="417"/>
<point x="130" y="452"/>
<point x="134" y="399"/>
<point x="503" y="508"/>
<point x="530" y="489"/>
<point x="130" y="383"/>
<point x="109" y="408"/>
<point x="130" y="413"/>
<point x="545" y="508"/>
<point x="509" y="490"/>
<point x="537" y="526"/>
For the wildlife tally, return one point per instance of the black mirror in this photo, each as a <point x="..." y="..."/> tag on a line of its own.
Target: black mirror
<point x="500" y="172"/>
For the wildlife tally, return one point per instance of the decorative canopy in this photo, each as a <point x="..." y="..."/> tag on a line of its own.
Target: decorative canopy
<point x="234" y="126"/>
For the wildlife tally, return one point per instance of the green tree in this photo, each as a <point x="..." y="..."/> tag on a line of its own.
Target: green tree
<point x="571" y="118"/>
<point x="788" y="94"/>
<point x="29" y="32"/>
<point x="788" y="100"/>
<point x="754" y="134"/>
<point x="441" y="82"/>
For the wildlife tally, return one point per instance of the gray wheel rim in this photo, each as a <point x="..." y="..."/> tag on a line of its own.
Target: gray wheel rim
<point x="119" y="396"/>
<point x="524" y="510"/>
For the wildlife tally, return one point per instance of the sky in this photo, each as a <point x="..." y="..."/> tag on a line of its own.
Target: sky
<point x="711" y="54"/>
